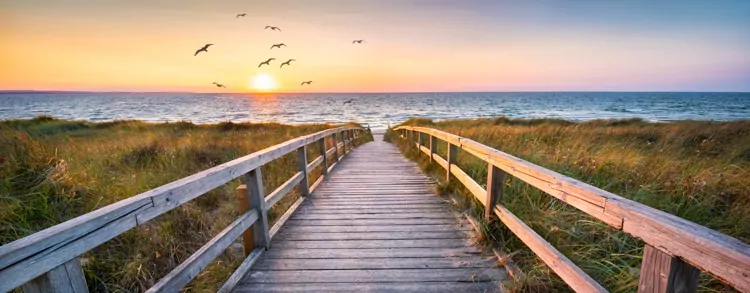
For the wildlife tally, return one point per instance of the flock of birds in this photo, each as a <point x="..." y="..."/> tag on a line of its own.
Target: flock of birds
<point x="268" y="61"/>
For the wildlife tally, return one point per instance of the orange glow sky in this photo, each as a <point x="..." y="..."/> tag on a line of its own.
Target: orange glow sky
<point x="410" y="45"/>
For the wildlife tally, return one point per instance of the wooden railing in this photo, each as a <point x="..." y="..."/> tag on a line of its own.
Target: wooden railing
<point x="675" y="251"/>
<point x="48" y="261"/>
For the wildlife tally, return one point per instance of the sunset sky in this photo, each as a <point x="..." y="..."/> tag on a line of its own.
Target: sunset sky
<point x="410" y="45"/>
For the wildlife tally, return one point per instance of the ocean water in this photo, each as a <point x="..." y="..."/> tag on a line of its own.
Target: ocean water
<point x="376" y="110"/>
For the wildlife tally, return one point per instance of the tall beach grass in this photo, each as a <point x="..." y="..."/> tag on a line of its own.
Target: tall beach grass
<point x="53" y="170"/>
<point x="697" y="170"/>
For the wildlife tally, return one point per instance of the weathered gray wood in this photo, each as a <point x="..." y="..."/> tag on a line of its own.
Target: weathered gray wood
<point x="258" y="235"/>
<point x="576" y="278"/>
<point x="410" y="287"/>
<point x="468" y="182"/>
<point x="374" y="228"/>
<point x="335" y="147"/>
<point x="662" y="273"/>
<point x="394" y="275"/>
<point x="367" y="222"/>
<point x="372" y="264"/>
<point x="283" y="236"/>
<point x="283" y="190"/>
<point x="438" y="215"/>
<point x="189" y="269"/>
<point x="324" y="155"/>
<point x="282" y="220"/>
<point x="242" y="270"/>
<point x="495" y="181"/>
<point x="315" y="163"/>
<point x="722" y="256"/>
<point x="66" y="278"/>
<point x="302" y="162"/>
<point x="451" y="161"/>
<point x="368" y="243"/>
<point x="503" y="258"/>
<point x="76" y="236"/>
<point x="433" y="147"/>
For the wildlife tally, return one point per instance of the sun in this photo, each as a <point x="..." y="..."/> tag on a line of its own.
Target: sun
<point x="263" y="82"/>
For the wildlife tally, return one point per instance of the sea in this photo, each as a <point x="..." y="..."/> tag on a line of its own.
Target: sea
<point x="376" y="110"/>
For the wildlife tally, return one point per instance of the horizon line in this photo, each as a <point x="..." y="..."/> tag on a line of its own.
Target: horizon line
<point x="364" y="92"/>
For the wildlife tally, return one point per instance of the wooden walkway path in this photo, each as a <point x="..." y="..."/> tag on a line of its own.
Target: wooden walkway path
<point x="374" y="226"/>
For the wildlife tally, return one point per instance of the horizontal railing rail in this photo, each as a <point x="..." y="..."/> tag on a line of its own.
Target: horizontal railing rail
<point x="48" y="261"/>
<point x="675" y="251"/>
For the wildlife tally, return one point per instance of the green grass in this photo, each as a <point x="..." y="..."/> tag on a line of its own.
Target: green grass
<point x="53" y="170"/>
<point x="696" y="170"/>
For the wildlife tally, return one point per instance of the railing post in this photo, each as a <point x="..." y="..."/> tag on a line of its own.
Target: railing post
<point x="336" y="147"/>
<point x="67" y="277"/>
<point x="252" y="196"/>
<point x="661" y="273"/>
<point x="322" y="144"/>
<point x="452" y="154"/>
<point x="304" y="187"/>
<point x="433" y="147"/>
<point x="495" y="180"/>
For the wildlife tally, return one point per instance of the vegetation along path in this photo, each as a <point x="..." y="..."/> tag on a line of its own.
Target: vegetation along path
<point x="374" y="225"/>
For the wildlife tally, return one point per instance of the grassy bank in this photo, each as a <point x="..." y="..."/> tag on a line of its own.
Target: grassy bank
<point x="53" y="170"/>
<point x="699" y="171"/>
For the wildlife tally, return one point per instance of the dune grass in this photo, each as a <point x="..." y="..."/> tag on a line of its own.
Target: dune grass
<point x="53" y="170"/>
<point x="696" y="170"/>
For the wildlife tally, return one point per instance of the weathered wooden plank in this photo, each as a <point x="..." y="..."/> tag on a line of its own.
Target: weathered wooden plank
<point x="282" y="220"/>
<point x="395" y="275"/>
<point x="468" y="182"/>
<point x="495" y="181"/>
<point x="241" y="271"/>
<point x="373" y="264"/>
<point x="503" y="257"/>
<point x="576" y="278"/>
<point x="304" y="185"/>
<point x="254" y="196"/>
<point x="386" y="210"/>
<point x="364" y="244"/>
<point x="323" y="155"/>
<point x="283" y="190"/>
<point x="410" y="287"/>
<point x="372" y="253"/>
<point x="315" y="163"/>
<point x="67" y="278"/>
<point x="662" y="273"/>
<point x="367" y="222"/>
<point x="375" y="228"/>
<point x="286" y="236"/>
<point x="29" y="268"/>
<point x="438" y="215"/>
<point x="335" y="142"/>
<point x="189" y="269"/>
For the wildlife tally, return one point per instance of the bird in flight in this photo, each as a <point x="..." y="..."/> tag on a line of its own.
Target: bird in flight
<point x="288" y="62"/>
<point x="204" y="49"/>
<point x="241" y="15"/>
<point x="219" y="85"/>
<point x="278" y="45"/>
<point x="267" y="62"/>
<point x="273" y="28"/>
<point x="306" y="82"/>
<point x="357" y="41"/>
<point x="348" y="102"/>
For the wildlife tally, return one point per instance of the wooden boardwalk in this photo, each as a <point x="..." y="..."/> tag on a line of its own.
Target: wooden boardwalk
<point x="374" y="226"/>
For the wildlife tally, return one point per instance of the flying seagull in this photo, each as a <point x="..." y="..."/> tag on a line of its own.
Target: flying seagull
<point x="288" y="62"/>
<point x="273" y="28"/>
<point x="219" y="85"/>
<point x="241" y="15"/>
<point x="306" y="82"/>
<point x="348" y="102"/>
<point x="267" y="62"/>
<point x="204" y="49"/>
<point x="278" y="45"/>
<point x="358" y="41"/>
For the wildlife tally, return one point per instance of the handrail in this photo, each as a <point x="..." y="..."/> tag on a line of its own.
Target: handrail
<point x="58" y="247"/>
<point x="680" y="245"/>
